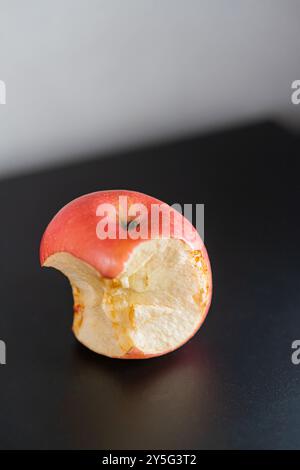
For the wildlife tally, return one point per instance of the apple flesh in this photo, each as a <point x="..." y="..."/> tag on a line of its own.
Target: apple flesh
<point x="132" y="298"/>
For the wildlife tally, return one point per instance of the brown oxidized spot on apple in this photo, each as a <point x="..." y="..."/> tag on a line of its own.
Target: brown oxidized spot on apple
<point x="115" y="306"/>
<point x="76" y="292"/>
<point x="197" y="257"/>
<point x="78" y="317"/>
<point x="197" y="299"/>
<point x="123" y="338"/>
<point x="115" y="283"/>
<point x="131" y="316"/>
<point x="78" y="310"/>
<point x="199" y="261"/>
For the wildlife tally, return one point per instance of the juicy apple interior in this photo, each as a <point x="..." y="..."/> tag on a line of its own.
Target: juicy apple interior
<point x="132" y="298"/>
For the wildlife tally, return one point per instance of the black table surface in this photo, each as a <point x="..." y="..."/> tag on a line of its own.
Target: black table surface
<point x="233" y="385"/>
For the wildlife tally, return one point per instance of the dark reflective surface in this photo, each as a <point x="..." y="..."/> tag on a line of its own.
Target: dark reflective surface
<point x="233" y="385"/>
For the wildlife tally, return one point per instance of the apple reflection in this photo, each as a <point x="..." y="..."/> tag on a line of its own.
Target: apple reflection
<point x="166" y="402"/>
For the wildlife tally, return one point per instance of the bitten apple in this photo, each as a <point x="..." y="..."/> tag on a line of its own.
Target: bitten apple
<point x="134" y="297"/>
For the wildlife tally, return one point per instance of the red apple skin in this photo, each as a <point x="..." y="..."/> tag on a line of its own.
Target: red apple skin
<point x="73" y="230"/>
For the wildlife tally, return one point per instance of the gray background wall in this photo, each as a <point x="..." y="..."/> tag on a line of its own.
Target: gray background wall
<point x="99" y="75"/>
